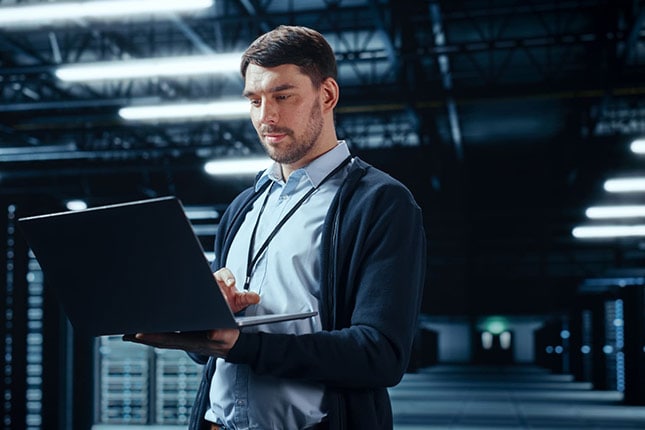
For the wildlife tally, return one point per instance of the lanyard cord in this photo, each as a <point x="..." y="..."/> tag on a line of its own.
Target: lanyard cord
<point x="253" y="259"/>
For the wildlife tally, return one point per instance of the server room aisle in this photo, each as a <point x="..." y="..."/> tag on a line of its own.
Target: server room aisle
<point x="500" y="398"/>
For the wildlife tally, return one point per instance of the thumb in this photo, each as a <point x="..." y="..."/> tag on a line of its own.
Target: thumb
<point x="248" y="298"/>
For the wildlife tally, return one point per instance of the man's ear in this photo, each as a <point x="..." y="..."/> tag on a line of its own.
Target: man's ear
<point x="329" y="94"/>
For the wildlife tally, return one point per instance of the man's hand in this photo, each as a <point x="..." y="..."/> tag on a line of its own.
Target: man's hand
<point x="212" y="342"/>
<point x="215" y="343"/>
<point x="237" y="300"/>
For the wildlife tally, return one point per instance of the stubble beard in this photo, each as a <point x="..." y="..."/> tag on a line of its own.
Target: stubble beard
<point x="300" y="146"/>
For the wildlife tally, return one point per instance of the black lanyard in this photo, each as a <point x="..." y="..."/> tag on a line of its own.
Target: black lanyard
<point x="252" y="260"/>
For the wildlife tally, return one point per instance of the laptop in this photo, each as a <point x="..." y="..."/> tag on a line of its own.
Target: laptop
<point x="133" y="267"/>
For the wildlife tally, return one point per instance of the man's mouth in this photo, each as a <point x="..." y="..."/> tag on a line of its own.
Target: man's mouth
<point x="274" y="137"/>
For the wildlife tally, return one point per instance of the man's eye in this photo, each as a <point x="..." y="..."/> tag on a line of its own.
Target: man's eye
<point x="282" y="97"/>
<point x="255" y="102"/>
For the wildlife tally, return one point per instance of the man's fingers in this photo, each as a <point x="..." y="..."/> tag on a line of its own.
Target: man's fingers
<point x="249" y="298"/>
<point x="213" y="342"/>
<point x="241" y="300"/>
<point x="237" y="300"/>
<point x="224" y="277"/>
<point x="186" y="341"/>
<point x="167" y="340"/>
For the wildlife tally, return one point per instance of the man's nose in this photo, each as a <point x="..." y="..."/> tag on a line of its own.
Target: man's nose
<point x="269" y="113"/>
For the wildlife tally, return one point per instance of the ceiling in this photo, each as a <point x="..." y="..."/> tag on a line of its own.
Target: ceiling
<point x="503" y="117"/>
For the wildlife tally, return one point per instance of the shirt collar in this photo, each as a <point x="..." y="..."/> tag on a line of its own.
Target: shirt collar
<point x="314" y="171"/>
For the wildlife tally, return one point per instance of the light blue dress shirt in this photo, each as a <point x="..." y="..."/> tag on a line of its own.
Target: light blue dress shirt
<point x="287" y="277"/>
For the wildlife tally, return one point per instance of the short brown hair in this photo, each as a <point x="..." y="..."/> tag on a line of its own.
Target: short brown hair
<point x="301" y="46"/>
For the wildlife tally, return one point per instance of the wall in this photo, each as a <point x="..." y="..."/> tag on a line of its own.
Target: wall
<point x="455" y="338"/>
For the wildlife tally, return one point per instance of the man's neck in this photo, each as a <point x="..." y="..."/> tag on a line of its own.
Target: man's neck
<point x="288" y="169"/>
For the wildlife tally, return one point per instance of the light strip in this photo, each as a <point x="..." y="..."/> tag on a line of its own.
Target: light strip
<point x="219" y="109"/>
<point x="201" y="212"/>
<point x="243" y="166"/>
<point x="50" y="13"/>
<point x="173" y="66"/>
<point x="626" y="185"/>
<point x="598" y="212"/>
<point x="609" y="231"/>
<point x="76" y="205"/>
<point x="638" y="146"/>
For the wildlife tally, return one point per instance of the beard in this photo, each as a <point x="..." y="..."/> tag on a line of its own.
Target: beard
<point x="299" y="146"/>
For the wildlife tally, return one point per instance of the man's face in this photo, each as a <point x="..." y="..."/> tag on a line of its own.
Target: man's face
<point x="285" y="111"/>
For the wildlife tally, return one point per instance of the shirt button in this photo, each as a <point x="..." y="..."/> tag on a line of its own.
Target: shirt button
<point x="240" y="402"/>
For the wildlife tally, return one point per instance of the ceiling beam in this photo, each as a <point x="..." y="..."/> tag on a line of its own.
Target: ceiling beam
<point x="446" y="78"/>
<point x="623" y="56"/>
<point x="255" y="10"/>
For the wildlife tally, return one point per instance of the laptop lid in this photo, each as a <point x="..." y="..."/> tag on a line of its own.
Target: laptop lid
<point x="132" y="267"/>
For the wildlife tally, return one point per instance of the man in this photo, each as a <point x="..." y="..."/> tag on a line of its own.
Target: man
<point x="321" y="231"/>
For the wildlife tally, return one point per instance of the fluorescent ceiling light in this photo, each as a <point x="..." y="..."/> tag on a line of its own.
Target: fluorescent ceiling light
<point x="243" y="166"/>
<point x="49" y="13"/>
<point x="626" y="185"/>
<point x="638" y="146"/>
<point x="609" y="231"/>
<point x="205" y="229"/>
<point x="596" y="212"/>
<point x="201" y="212"/>
<point x="76" y="205"/>
<point x="172" y="66"/>
<point x="219" y="109"/>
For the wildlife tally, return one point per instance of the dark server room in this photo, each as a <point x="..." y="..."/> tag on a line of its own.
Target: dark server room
<point x="466" y="233"/>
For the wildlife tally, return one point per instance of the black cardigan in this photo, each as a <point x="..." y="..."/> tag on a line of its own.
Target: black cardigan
<point x="374" y="258"/>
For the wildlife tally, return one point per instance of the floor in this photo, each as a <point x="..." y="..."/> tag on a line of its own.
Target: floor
<point x="500" y="398"/>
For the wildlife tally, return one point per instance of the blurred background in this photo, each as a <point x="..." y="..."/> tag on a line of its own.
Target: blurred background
<point x="519" y="126"/>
